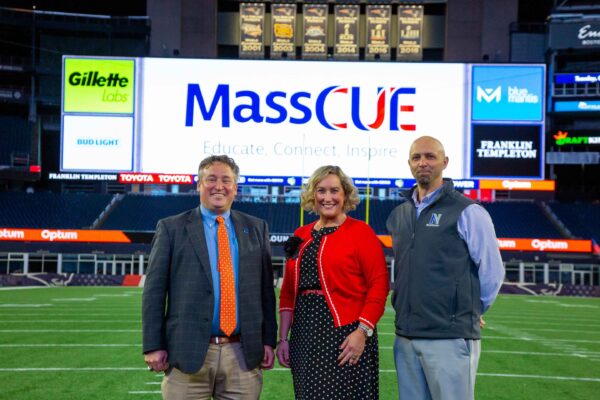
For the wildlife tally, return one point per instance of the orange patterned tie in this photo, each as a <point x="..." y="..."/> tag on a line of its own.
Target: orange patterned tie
<point x="228" y="321"/>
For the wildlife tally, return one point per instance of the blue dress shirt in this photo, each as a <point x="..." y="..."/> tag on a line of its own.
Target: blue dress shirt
<point x="476" y="228"/>
<point x="210" y="232"/>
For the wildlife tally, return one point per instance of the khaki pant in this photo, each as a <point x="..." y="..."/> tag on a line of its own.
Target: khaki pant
<point x="224" y="376"/>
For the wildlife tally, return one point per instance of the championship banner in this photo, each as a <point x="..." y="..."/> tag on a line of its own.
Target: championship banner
<point x="314" y="44"/>
<point x="252" y="21"/>
<point x="346" y="32"/>
<point x="378" y="32"/>
<point x="283" y="28"/>
<point x="410" y="28"/>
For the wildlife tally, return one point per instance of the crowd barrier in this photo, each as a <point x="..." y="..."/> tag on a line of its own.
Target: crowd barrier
<point x="55" y="280"/>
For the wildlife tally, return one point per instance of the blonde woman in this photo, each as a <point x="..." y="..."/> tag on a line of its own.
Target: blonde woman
<point x="334" y="292"/>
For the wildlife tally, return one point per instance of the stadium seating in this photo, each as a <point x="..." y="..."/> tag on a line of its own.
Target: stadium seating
<point x="51" y="210"/>
<point x="521" y="220"/>
<point x="581" y="219"/>
<point x="136" y="212"/>
<point x="15" y="139"/>
<point x="141" y="212"/>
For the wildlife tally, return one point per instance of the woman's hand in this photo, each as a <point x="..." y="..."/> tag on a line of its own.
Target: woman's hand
<point x="283" y="353"/>
<point x="352" y="348"/>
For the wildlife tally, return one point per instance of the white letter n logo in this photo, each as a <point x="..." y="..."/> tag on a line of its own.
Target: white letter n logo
<point x="435" y="219"/>
<point x="488" y="94"/>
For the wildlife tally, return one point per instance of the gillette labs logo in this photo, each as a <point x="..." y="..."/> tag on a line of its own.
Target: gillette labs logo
<point x="277" y="107"/>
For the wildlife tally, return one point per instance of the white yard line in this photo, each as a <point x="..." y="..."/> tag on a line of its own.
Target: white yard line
<point x="535" y="353"/>
<point x="595" y="332"/>
<point x="77" y="299"/>
<point x="551" y="317"/>
<point x="50" y="313"/>
<point x="69" y="321"/>
<point x="562" y="378"/>
<point x="579" y="354"/>
<point x="532" y="339"/>
<point x="71" y="345"/>
<point x="144" y="392"/>
<point x="66" y="330"/>
<point x="558" y="378"/>
<point x="97" y="369"/>
<point x="535" y="328"/>
<point x="8" y="305"/>
<point x="523" y="322"/>
<point x="83" y="369"/>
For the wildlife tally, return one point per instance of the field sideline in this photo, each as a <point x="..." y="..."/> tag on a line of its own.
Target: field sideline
<point x="84" y="343"/>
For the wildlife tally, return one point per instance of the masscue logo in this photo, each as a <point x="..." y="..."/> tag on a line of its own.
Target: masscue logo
<point x="333" y="107"/>
<point x="98" y="85"/>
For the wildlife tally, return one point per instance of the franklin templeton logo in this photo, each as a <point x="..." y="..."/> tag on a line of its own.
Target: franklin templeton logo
<point x="506" y="149"/>
<point x="435" y="219"/>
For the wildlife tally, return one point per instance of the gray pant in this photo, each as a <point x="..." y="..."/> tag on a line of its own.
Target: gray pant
<point x="436" y="369"/>
<point x="224" y="376"/>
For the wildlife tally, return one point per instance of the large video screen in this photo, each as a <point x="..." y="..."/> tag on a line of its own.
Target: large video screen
<point x="275" y="118"/>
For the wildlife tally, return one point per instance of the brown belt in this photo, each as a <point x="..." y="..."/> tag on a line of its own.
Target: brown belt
<point x="312" y="291"/>
<point x="224" y="339"/>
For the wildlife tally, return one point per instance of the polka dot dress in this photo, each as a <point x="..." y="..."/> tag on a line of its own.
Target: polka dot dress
<point x="315" y="342"/>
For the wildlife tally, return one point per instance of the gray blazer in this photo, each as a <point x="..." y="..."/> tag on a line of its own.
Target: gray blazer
<point x="178" y="301"/>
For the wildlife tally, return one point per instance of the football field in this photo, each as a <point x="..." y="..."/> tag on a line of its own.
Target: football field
<point x="85" y="343"/>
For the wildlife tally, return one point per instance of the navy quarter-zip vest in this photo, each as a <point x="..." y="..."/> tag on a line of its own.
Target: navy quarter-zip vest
<point x="436" y="284"/>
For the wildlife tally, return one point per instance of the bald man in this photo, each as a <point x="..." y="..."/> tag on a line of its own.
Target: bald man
<point x="448" y="273"/>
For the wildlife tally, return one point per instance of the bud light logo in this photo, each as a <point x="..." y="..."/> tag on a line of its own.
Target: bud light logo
<point x="394" y="105"/>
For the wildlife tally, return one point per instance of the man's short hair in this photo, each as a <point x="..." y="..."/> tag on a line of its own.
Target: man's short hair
<point x="223" y="158"/>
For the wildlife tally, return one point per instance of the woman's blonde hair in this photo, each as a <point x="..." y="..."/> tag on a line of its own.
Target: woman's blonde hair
<point x="307" y="198"/>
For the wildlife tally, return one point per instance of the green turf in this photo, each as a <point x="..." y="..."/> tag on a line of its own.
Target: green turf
<point x="533" y="348"/>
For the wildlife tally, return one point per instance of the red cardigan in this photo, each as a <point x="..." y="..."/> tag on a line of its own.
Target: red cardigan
<point x="352" y="272"/>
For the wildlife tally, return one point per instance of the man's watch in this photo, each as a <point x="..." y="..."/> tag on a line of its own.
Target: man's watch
<point x="366" y="330"/>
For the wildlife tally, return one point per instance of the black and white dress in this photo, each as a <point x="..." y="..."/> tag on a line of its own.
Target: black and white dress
<point x="315" y="343"/>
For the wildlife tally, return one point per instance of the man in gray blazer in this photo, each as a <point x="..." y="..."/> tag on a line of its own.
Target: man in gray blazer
<point x="181" y="304"/>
